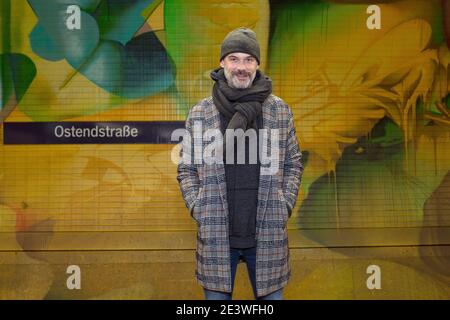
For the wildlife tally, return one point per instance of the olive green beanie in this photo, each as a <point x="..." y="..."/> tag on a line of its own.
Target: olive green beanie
<point x="240" y="40"/>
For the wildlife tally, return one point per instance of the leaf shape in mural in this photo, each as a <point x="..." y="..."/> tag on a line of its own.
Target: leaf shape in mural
<point x="130" y="71"/>
<point x="336" y="114"/>
<point x="17" y="72"/>
<point x="75" y="46"/>
<point x="111" y="64"/>
<point x="119" y="20"/>
<point x="371" y="187"/>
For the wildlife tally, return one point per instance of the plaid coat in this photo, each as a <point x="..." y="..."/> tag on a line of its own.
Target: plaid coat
<point x="203" y="187"/>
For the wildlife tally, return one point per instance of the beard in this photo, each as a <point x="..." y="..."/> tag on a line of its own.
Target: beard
<point x="234" y="82"/>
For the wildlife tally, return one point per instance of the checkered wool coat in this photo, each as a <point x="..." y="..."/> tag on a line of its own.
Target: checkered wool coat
<point x="203" y="187"/>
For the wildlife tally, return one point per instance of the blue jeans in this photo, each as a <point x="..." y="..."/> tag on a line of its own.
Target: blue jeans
<point x="249" y="256"/>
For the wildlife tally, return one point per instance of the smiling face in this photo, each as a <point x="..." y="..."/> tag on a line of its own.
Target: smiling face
<point x="240" y="69"/>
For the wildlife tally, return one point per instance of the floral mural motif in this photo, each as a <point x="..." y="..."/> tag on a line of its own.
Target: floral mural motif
<point x="371" y="110"/>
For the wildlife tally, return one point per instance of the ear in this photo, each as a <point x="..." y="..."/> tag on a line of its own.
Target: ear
<point x="222" y="64"/>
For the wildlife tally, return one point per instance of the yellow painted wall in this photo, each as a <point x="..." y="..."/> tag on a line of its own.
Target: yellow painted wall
<point x="372" y="114"/>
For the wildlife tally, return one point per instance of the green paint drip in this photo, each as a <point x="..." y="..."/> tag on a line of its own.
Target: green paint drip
<point x="332" y="176"/>
<point x="5" y="29"/>
<point x="435" y="155"/>
<point x="5" y="34"/>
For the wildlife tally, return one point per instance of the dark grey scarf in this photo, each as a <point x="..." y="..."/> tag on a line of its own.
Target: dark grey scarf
<point x="240" y="106"/>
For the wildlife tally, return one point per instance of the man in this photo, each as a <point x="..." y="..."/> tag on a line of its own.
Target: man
<point x="241" y="207"/>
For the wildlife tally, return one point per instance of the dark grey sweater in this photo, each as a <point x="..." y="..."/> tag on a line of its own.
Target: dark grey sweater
<point x="242" y="182"/>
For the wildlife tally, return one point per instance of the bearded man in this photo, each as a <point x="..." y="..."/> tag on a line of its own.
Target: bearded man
<point x="240" y="207"/>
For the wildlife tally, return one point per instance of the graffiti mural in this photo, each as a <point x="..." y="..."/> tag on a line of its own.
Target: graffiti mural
<point x="368" y="83"/>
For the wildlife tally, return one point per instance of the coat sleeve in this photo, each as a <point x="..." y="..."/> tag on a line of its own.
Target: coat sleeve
<point x="187" y="174"/>
<point x="293" y="166"/>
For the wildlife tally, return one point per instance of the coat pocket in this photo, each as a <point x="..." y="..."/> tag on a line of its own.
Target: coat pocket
<point x="194" y="211"/>
<point x="284" y="208"/>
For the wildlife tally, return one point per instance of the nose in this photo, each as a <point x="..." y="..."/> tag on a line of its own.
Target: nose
<point x="240" y="65"/>
<point x="240" y="69"/>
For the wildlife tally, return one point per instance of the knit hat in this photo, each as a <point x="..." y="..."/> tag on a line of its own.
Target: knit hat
<point x="240" y="40"/>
